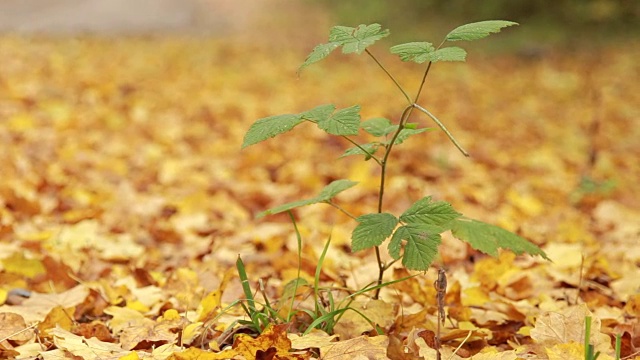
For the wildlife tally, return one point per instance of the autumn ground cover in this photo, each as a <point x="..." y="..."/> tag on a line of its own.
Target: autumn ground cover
<point x="125" y="199"/>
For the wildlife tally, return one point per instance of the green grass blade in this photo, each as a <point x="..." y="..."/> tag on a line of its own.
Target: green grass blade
<point x="299" y="239"/>
<point x="246" y="288"/>
<point x="316" y="279"/>
<point x="588" y="350"/>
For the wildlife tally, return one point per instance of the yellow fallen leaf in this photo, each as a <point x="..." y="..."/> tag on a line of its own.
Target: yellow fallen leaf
<point x="571" y="351"/>
<point x="58" y="317"/>
<point x="131" y="356"/>
<point x="313" y="339"/>
<point x="209" y="304"/>
<point x="190" y="332"/>
<point x="19" y="264"/>
<point x="273" y="339"/>
<point x="193" y="353"/>
<point x="352" y="324"/>
<point x="474" y="296"/>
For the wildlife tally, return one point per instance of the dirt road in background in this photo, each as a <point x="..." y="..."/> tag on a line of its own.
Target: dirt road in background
<point x="128" y="16"/>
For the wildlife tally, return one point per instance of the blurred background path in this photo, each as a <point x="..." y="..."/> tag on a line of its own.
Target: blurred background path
<point x="125" y="16"/>
<point x="558" y="22"/>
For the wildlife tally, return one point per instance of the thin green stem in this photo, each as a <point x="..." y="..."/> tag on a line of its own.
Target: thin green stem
<point x="299" y="239"/>
<point x="406" y="96"/>
<point x="424" y="77"/>
<point x="383" y="173"/>
<point x="405" y="115"/>
<point x="341" y="209"/>
<point x="424" y="80"/>
<point x="380" y="272"/>
<point x="441" y="125"/>
<point x="363" y="149"/>
<point x="387" y="266"/>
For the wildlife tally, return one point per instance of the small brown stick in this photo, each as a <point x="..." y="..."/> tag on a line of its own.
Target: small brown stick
<point x="441" y="288"/>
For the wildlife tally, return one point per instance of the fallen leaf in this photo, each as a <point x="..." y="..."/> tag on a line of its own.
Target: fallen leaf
<point x="353" y="324"/>
<point x="362" y="347"/>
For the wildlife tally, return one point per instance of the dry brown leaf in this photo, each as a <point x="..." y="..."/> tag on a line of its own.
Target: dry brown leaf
<point x="14" y="328"/>
<point x="552" y="328"/>
<point x="38" y="306"/>
<point x="370" y="348"/>
<point x="87" y="349"/>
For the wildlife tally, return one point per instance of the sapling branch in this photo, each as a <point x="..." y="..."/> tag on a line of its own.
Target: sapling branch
<point x="424" y="79"/>
<point x="403" y="119"/>
<point x="441" y="125"/>
<point x="341" y="209"/>
<point x="363" y="149"/>
<point x="406" y="96"/>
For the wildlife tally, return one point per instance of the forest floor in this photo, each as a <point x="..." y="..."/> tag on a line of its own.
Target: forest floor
<point x="125" y="199"/>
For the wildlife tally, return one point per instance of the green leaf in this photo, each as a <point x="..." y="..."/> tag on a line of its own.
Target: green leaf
<point x="424" y="211"/>
<point x="406" y="133"/>
<point x="372" y="230"/>
<point x="288" y="206"/>
<point x="488" y="238"/>
<point x="452" y="53"/>
<point x="378" y="126"/>
<point x="318" y="53"/>
<point x="370" y="148"/>
<point x="269" y="127"/>
<point x="478" y="30"/>
<point x="334" y="188"/>
<point x="421" y="245"/>
<point x="342" y="122"/>
<point x="325" y="195"/>
<point x="356" y="40"/>
<point x="417" y="52"/>
<point x="318" y="113"/>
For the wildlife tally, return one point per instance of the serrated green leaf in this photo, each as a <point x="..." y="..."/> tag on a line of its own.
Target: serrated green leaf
<point x="318" y="53"/>
<point x="488" y="238"/>
<point x="478" y="30"/>
<point x="318" y="113"/>
<point x="421" y="246"/>
<point x="343" y="122"/>
<point x="425" y="211"/>
<point x="372" y="230"/>
<point x="356" y="40"/>
<point x="452" y="53"/>
<point x="269" y="127"/>
<point x="334" y="188"/>
<point x="406" y="133"/>
<point x="417" y="52"/>
<point x="378" y="126"/>
<point x="370" y="148"/>
<point x="326" y="194"/>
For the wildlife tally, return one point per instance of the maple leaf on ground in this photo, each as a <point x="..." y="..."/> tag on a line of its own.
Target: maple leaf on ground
<point x="553" y="328"/>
